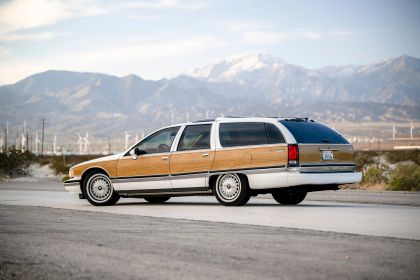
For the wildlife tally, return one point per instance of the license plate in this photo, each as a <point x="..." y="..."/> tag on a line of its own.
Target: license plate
<point x="327" y="155"/>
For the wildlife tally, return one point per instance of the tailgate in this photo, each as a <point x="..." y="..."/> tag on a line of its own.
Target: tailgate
<point x="326" y="158"/>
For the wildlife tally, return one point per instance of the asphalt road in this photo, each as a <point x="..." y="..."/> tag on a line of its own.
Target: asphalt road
<point x="196" y="238"/>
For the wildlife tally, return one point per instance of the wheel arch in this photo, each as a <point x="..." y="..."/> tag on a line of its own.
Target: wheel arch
<point x="90" y="171"/>
<point x="213" y="178"/>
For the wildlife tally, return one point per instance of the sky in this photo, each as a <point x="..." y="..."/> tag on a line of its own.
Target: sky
<point x="164" y="38"/>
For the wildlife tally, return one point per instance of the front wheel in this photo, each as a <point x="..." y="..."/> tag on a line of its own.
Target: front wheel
<point x="232" y="190"/>
<point x="98" y="190"/>
<point x="289" y="197"/>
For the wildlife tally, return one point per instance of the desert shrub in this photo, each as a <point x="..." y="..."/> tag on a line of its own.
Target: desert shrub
<point x="363" y="158"/>
<point x="15" y="162"/>
<point x="64" y="178"/>
<point x="373" y="176"/>
<point x="405" y="178"/>
<point x="404" y="155"/>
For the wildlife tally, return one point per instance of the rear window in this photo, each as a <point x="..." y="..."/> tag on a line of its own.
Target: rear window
<point x="313" y="133"/>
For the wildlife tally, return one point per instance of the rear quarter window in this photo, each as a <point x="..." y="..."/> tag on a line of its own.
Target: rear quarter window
<point x="242" y="134"/>
<point x="307" y="132"/>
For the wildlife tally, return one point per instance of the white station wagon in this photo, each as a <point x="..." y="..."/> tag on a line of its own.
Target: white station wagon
<point x="231" y="158"/>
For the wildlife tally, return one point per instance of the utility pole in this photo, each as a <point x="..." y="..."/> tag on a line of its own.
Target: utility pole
<point x="42" y="138"/>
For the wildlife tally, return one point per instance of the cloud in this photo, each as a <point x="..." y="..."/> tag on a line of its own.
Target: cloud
<point x="4" y="51"/>
<point x="169" y="4"/>
<point x="27" y="14"/>
<point x="312" y="35"/>
<point x="342" y="34"/>
<point x="142" y="52"/>
<point x="263" y="37"/>
<point x="41" y="36"/>
<point x="146" y="17"/>
<point x="246" y="25"/>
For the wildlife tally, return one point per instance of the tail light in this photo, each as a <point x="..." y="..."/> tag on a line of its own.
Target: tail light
<point x="293" y="155"/>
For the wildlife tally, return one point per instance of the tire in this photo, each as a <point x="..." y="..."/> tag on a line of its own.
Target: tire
<point x="289" y="197"/>
<point x="157" y="199"/>
<point x="232" y="189"/>
<point x="98" y="190"/>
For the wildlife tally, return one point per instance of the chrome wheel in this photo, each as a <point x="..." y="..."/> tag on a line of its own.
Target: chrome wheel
<point x="228" y="187"/>
<point x="99" y="188"/>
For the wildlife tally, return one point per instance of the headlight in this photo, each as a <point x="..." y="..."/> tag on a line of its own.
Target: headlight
<point x="71" y="173"/>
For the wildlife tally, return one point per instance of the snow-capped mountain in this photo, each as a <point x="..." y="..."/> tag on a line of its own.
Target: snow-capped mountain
<point x="254" y="84"/>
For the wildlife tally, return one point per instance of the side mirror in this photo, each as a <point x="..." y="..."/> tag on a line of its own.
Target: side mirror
<point x="133" y="153"/>
<point x="136" y="152"/>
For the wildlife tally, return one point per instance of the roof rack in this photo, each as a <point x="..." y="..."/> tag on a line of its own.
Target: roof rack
<point x="204" y="120"/>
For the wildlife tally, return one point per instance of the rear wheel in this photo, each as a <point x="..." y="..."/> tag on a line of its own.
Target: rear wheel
<point x="98" y="190"/>
<point x="289" y="197"/>
<point x="157" y="199"/>
<point x="232" y="190"/>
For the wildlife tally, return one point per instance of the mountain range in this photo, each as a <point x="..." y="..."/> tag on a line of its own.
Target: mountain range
<point x="255" y="84"/>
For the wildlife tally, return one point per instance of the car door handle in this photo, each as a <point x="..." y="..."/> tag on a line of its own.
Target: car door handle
<point x="205" y="155"/>
<point x="165" y="158"/>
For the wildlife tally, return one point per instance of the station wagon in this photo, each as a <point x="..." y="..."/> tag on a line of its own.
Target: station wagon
<point x="230" y="158"/>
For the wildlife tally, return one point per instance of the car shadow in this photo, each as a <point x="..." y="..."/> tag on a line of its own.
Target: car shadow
<point x="251" y="204"/>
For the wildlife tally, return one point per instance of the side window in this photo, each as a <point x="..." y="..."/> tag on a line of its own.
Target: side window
<point x="242" y="134"/>
<point x="195" y="137"/>
<point x="159" y="142"/>
<point x="274" y="135"/>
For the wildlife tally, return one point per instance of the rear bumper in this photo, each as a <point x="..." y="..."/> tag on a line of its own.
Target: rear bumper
<point x="295" y="178"/>
<point x="336" y="178"/>
<point x="73" y="185"/>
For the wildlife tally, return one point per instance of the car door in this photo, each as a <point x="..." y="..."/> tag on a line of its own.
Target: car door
<point x="192" y="160"/>
<point x="254" y="148"/>
<point x="149" y="172"/>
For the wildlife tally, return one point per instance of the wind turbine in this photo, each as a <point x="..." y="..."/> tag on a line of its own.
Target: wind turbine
<point x="86" y="142"/>
<point x="137" y="138"/>
<point x="1" y="144"/>
<point x="126" y="139"/>
<point x="411" y="130"/>
<point x="23" y="141"/>
<point x="394" y="131"/>
<point x="80" y="143"/>
<point x="37" y="142"/>
<point x="55" y="144"/>
<point x="142" y="134"/>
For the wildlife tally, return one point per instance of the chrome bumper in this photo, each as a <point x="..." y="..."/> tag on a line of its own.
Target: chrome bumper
<point x="73" y="185"/>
